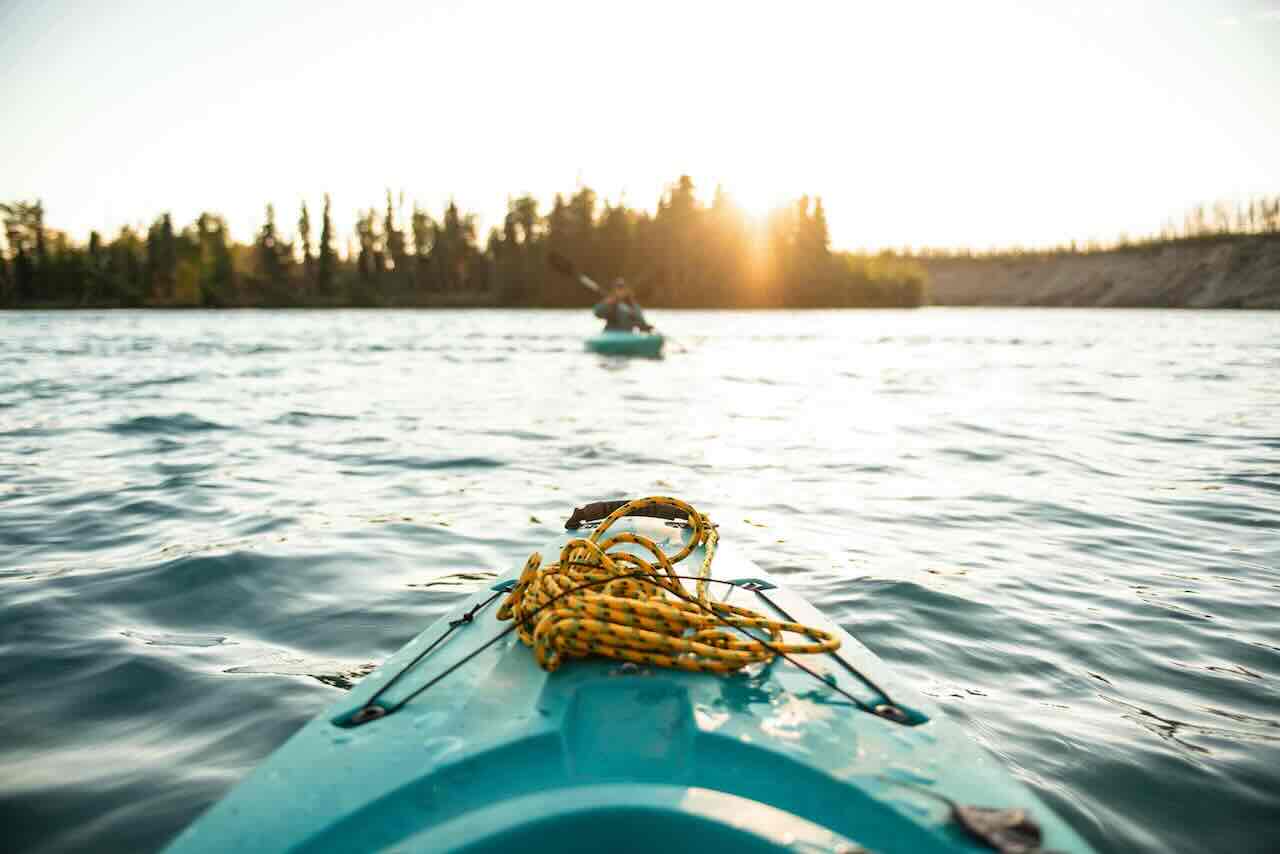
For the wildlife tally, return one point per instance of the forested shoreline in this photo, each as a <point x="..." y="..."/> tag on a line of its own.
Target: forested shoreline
<point x="686" y="253"/>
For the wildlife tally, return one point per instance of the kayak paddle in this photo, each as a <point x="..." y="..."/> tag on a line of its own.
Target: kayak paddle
<point x="564" y="266"/>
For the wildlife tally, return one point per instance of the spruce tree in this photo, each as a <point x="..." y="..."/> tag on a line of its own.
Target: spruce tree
<point x="424" y="230"/>
<point x="162" y="258"/>
<point x="395" y="239"/>
<point x="273" y="257"/>
<point x="449" y="248"/>
<point x="325" y="261"/>
<point x="6" y="281"/>
<point x="216" y="271"/>
<point x="370" y="258"/>
<point x="304" y="235"/>
<point x="22" y="231"/>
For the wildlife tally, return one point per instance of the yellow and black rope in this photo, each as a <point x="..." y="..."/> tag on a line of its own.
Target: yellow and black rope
<point x="602" y="601"/>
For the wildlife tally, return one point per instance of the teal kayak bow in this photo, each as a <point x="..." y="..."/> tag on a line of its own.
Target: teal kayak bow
<point x="462" y="742"/>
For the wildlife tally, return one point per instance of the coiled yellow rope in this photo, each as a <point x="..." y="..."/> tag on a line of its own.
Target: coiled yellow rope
<point x="619" y="605"/>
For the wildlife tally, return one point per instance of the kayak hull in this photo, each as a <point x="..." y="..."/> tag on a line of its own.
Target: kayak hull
<point x="603" y="754"/>
<point x="613" y="343"/>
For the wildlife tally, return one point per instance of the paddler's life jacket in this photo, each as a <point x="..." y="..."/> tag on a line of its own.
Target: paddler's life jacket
<point x="619" y="316"/>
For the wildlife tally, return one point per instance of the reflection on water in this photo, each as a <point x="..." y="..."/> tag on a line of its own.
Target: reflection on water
<point x="1060" y="524"/>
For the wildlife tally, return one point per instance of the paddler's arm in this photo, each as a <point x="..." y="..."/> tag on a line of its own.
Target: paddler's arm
<point x="637" y="316"/>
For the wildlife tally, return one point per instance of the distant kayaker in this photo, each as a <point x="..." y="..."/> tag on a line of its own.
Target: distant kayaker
<point x="620" y="311"/>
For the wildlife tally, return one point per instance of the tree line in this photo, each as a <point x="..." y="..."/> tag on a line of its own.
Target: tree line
<point x="686" y="253"/>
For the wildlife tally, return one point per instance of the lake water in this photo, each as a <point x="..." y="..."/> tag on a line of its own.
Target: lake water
<point x="1063" y="525"/>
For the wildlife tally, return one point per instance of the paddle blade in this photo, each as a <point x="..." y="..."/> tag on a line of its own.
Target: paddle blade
<point x="561" y="264"/>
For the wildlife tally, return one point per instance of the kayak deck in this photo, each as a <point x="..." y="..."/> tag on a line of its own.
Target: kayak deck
<point x="483" y="750"/>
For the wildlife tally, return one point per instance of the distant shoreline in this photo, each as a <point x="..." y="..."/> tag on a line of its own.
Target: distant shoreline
<point x="187" y="309"/>
<point x="1223" y="272"/>
<point x="686" y="254"/>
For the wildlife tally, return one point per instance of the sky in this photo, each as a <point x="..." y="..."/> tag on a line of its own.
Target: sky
<point x="924" y="124"/>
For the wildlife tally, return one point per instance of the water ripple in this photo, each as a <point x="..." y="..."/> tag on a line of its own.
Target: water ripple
<point x="183" y="422"/>
<point x="1060" y="524"/>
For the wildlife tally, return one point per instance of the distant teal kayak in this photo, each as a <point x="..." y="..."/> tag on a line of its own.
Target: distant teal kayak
<point x="461" y="742"/>
<point x="626" y="343"/>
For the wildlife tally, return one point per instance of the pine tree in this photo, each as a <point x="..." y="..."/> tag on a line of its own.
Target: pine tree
<point x="525" y="210"/>
<point x="582" y="219"/>
<point x="399" y="282"/>
<point x="524" y="262"/>
<point x="424" y="230"/>
<point x="676" y="227"/>
<point x="273" y="258"/>
<point x="504" y="250"/>
<point x="556" y="291"/>
<point x="615" y="240"/>
<point x="325" y="260"/>
<point x="6" y="281"/>
<point x="728" y="237"/>
<point x="92" y="284"/>
<point x="37" y="215"/>
<point x="24" y="226"/>
<point x="454" y="247"/>
<point x="370" y="259"/>
<point x="217" y="277"/>
<point x="304" y="236"/>
<point x="162" y="258"/>
<point x="126" y="267"/>
<point x="821" y="236"/>
<point x="394" y="237"/>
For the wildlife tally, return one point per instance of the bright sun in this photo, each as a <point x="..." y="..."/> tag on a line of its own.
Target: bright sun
<point x="757" y="195"/>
